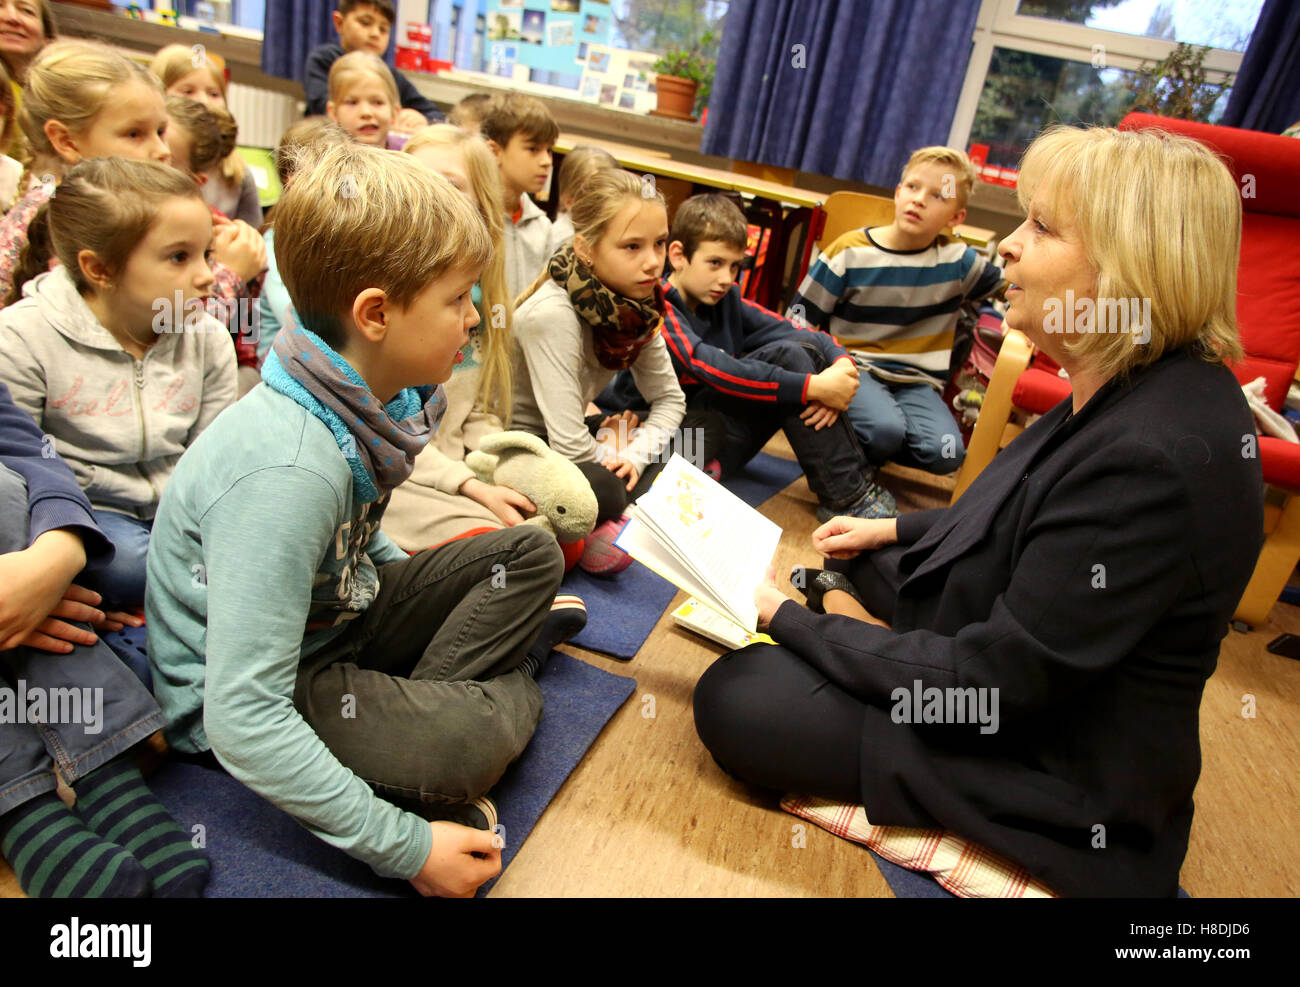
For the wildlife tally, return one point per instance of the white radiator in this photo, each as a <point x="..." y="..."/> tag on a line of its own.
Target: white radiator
<point x="263" y="114"/>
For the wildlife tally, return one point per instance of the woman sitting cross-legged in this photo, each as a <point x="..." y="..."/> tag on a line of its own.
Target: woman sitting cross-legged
<point x="1025" y="667"/>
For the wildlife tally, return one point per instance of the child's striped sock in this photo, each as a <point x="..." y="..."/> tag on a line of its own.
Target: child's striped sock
<point x="567" y="617"/>
<point x="56" y="856"/>
<point x="115" y="803"/>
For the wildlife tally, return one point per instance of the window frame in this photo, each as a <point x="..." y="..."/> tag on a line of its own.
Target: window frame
<point x="998" y="25"/>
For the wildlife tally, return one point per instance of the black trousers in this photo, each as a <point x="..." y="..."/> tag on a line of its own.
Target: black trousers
<point x="772" y="720"/>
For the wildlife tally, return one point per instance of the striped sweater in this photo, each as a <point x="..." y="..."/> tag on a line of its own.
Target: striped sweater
<point x="893" y="305"/>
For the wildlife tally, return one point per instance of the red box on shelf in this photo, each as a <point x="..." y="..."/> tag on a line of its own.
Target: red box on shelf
<point x="979" y="153"/>
<point x="411" y="59"/>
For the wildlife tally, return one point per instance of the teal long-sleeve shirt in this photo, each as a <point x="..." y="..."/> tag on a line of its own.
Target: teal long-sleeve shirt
<point x="259" y="556"/>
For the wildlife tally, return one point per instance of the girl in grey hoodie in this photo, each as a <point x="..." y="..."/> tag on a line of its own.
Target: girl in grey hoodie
<point x="112" y="353"/>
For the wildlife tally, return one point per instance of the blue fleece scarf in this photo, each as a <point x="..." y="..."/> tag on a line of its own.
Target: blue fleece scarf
<point x="379" y="442"/>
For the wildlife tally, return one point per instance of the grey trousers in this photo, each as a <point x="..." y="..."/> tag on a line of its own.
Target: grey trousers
<point x="422" y="695"/>
<point x="88" y="707"/>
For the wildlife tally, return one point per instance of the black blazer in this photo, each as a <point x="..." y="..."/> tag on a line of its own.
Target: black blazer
<point x="1088" y="575"/>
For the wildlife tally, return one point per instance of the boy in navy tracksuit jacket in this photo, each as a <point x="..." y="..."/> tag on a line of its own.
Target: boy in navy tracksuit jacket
<point x="759" y="372"/>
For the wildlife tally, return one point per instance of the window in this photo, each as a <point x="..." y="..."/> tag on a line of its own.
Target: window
<point x="1038" y="62"/>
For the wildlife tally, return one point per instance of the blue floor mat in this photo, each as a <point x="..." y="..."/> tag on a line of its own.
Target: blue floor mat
<point x="259" y="851"/>
<point x="623" y="610"/>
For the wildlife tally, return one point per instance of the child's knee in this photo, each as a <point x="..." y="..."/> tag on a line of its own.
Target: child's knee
<point x="939" y="454"/>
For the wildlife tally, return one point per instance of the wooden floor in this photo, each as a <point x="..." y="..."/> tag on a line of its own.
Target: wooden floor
<point x="648" y="813"/>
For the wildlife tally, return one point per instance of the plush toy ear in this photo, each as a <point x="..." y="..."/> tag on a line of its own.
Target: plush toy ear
<point x="501" y="441"/>
<point x="483" y="464"/>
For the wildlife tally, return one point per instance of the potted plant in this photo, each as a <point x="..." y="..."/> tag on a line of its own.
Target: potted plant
<point x="684" y="81"/>
<point x="1176" y="86"/>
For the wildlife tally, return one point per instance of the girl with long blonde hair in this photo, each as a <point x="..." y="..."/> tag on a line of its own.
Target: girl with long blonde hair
<point x="443" y="499"/>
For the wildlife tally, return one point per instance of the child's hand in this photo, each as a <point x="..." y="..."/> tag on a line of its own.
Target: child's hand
<point x="408" y="121"/>
<point x="115" y="620"/>
<point x="846" y="537"/>
<point x="241" y="248"/>
<point x="504" y="502"/>
<point x="618" y="430"/>
<point x="768" y="599"/>
<point x="451" y="869"/>
<point x="817" y="416"/>
<point x="835" y="386"/>
<point x="35" y="585"/>
<point x="623" y="470"/>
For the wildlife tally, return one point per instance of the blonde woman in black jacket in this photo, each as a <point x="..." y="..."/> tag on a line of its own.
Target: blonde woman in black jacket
<point x="1025" y="667"/>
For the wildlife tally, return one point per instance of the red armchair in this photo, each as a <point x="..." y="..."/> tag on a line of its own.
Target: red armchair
<point x="1267" y="168"/>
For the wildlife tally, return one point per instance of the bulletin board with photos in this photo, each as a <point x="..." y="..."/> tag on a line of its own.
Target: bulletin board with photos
<point x="544" y="34"/>
<point x="618" y="77"/>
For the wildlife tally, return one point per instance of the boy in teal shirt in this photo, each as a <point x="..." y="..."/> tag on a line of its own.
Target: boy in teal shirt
<point x="318" y="662"/>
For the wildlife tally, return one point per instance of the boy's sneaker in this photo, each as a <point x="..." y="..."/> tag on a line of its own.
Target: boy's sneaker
<point x="875" y="502"/>
<point x="601" y="557"/>
<point x="568" y="616"/>
<point x="479" y="814"/>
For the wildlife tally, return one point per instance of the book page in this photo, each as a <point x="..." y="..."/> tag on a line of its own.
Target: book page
<point x="725" y="543"/>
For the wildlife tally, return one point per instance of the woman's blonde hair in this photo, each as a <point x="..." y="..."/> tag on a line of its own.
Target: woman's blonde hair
<point x="355" y="63"/>
<point x="105" y="205"/>
<point x="173" y="63"/>
<point x="1159" y="217"/>
<point x="594" y="208"/>
<point x="496" y="312"/>
<point x="357" y="217"/>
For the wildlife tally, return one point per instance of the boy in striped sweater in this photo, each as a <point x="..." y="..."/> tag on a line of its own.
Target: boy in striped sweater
<point x="891" y="295"/>
<point x="754" y="370"/>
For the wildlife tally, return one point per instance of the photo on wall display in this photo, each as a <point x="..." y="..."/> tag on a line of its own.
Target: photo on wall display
<point x="566" y="6"/>
<point x="504" y="25"/>
<point x="598" y="62"/>
<point x="533" y="31"/>
<point x="608" y="93"/>
<point x="559" y="33"/>
<point x="591" y="25"/>
<point x="582" y="51"/>
<point x="627" y="101"/>
<point x="516" y="4"/>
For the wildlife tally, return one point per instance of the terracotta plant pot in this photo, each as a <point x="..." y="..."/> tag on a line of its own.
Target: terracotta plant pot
<point x="676" y="96"/>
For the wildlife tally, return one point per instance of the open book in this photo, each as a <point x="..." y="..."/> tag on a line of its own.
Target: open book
<point x="702" y="538"/>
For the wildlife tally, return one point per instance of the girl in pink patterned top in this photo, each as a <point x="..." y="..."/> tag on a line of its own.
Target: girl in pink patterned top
<point x="85" y="100"/>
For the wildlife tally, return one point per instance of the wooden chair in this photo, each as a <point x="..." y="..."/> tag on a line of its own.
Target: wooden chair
<point x="1268" y="315"/>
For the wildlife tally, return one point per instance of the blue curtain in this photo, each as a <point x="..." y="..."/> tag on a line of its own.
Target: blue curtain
<point x="1266" y="93"/>
<point x="847" y="89"/>
<point x="293" y="28"/>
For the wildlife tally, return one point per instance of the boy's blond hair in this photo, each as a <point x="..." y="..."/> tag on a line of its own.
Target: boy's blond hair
<point x="306" y="133"/>
<point x="347" y="68"/>
<point x="963" y="172"/>
<point x="358" y="217"/>
<point x="509" y="114"/>
<point x="496" y="308"/>
<point x="1126" y="194"/>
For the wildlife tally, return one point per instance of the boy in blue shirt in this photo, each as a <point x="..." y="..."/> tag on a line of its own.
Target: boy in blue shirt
<point x="891" y="295"/>
<point x="365" y="25"/>
<point x="318" y="662"/>
<point x="755" y="370"/>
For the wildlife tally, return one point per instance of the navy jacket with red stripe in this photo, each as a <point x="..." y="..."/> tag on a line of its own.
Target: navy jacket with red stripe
<point x="708" y="349"/>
